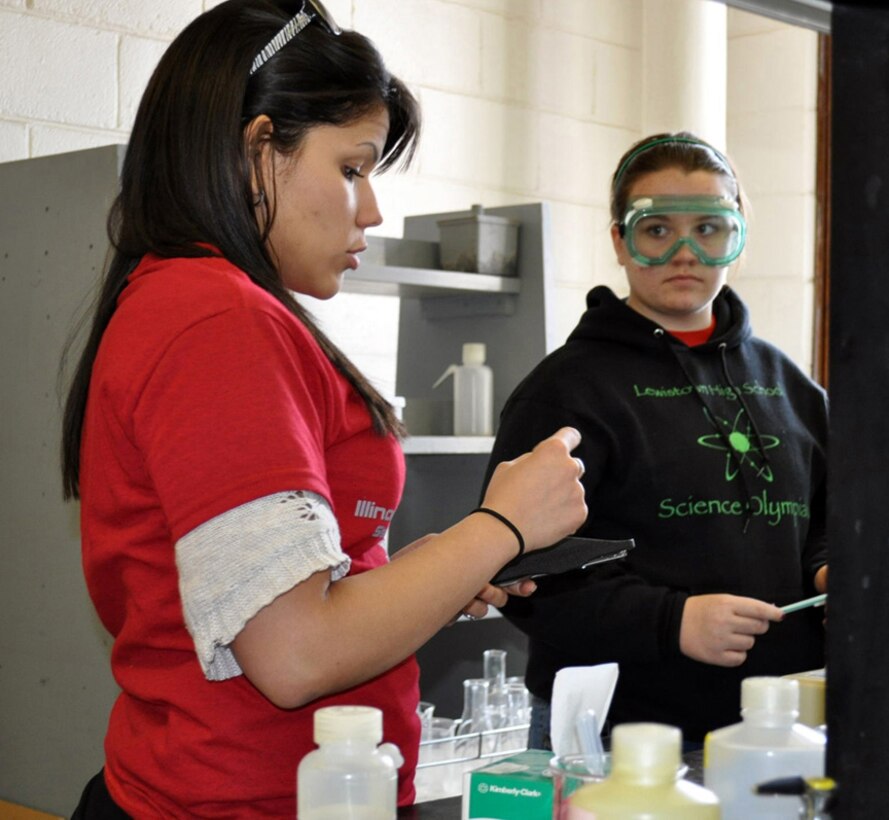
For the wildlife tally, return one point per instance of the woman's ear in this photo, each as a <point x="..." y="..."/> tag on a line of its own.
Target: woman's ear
<point x="259" y="152"/>
<point x="620" y="248"/>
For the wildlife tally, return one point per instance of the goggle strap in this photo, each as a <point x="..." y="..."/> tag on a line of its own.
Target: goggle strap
<point x="667" y="141"/>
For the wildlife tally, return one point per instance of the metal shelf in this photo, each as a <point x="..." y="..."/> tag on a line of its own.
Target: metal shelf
<point x="437" y="445"/>
<point x="386" y="280"/>
<point x="410" y="268"/>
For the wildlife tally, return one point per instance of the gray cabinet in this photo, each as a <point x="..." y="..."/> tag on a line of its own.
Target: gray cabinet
<point x="439" y="311"/>
<point x="56" y="687"/>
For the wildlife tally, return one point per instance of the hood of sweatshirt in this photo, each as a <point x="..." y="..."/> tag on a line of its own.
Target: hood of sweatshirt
<point x="609" y="318"/>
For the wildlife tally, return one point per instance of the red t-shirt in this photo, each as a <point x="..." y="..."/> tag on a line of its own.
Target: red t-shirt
<point x="693" y="338"/>
<point x="206" y="394"/>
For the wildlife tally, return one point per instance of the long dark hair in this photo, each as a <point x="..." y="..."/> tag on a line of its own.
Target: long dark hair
<point x="186" y="177"/>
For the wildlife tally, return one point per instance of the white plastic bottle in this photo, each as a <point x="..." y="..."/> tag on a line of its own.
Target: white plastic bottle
<point x="348" y="777"/>
<point x="473" y="392"/>
<point x="645" y="782"/>
<point x="767" y="744"/>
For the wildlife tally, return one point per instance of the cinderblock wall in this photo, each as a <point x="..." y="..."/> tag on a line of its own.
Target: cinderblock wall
<point x="524" y="100"/>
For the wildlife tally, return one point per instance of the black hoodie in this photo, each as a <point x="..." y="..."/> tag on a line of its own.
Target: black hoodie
<point x="713" y="459"/>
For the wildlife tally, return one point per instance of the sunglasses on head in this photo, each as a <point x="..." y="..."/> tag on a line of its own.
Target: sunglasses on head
<point x="310" y="10"/>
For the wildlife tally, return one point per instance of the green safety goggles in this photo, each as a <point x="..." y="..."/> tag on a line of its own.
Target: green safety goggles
<point x="656" y="227"/>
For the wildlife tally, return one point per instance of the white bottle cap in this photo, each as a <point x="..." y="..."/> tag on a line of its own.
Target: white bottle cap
<point x="768" y="694"/>
<point x="474" y="353"/>
<point x="348" y="723"/>
<point x="645" y="752"/>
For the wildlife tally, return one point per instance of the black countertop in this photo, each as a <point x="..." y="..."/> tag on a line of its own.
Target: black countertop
<point x="448" y="808"/>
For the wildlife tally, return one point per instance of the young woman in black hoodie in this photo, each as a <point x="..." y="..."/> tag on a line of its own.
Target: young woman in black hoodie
<point x="702" y="442"/>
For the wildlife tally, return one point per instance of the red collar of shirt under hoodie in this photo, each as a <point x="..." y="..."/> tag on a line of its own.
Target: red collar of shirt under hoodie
<point x="693" y="338"/>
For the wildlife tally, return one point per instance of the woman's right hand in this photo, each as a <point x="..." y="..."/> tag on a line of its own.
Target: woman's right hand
<point x="540" y="491"/>
<point x="378" y="618"/>
<point x="721" y="629"/>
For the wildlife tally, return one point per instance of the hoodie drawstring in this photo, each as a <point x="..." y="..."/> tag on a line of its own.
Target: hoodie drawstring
<point x="733" y="454"/>
<point x="728" y="377"/>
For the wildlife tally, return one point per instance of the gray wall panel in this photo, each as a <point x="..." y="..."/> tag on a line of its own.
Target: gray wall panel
<point x="56" y="687"/>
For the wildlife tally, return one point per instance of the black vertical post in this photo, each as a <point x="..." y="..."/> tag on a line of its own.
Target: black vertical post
<point x="858" y="507"/>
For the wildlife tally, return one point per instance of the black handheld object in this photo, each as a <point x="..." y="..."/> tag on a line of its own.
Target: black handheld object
<point x="570" y="553"/>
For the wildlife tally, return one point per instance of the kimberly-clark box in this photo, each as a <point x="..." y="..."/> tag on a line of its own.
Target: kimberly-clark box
<point x="519" y="786"/>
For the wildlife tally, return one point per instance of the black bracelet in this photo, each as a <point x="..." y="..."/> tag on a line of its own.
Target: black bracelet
<point x="505" y="520"/>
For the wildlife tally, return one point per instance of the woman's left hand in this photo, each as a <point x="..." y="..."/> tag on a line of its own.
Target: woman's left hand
<point x="491" y="595"/>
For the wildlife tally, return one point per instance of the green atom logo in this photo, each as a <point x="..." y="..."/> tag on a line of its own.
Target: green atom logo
<point x="744" y="448"/>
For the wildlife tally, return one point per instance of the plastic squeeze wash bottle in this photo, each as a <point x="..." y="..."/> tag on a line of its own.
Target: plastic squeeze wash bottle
<point x="767" y="744"/>
<point x="645" y="781"/>
<point x="349" y="777"/>
<point x="473" y="392"/>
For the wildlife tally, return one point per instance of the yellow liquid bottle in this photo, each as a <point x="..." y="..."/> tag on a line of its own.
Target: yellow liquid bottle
<point x="645" y="782"/>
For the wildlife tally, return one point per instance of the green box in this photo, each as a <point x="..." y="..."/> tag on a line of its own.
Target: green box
<point x="514" y="787"/>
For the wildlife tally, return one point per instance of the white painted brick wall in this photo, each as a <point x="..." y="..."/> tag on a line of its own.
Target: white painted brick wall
<point x="775" y="150"/>
<point x="772" y="88"/>
<point x="13" y="141"/>
<point x="617" y="22"/>
<point x="427" y="42"/>
<point x="617" y="103"/>
<point x="577" y="158"/>
<point x="523" y="100"/>
<point x="765" y="70"/>
<point x="57" y="71"/>
<point x="555" y="56"/>
<point x="57" y="139"/>
<point x="529" y="9"/>
<point x="138" y="58"/>
<point x="478" y="141"/>
<point x="164" y="19"/>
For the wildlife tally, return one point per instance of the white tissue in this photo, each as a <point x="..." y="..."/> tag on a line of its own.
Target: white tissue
<point x="576" y="689"/>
